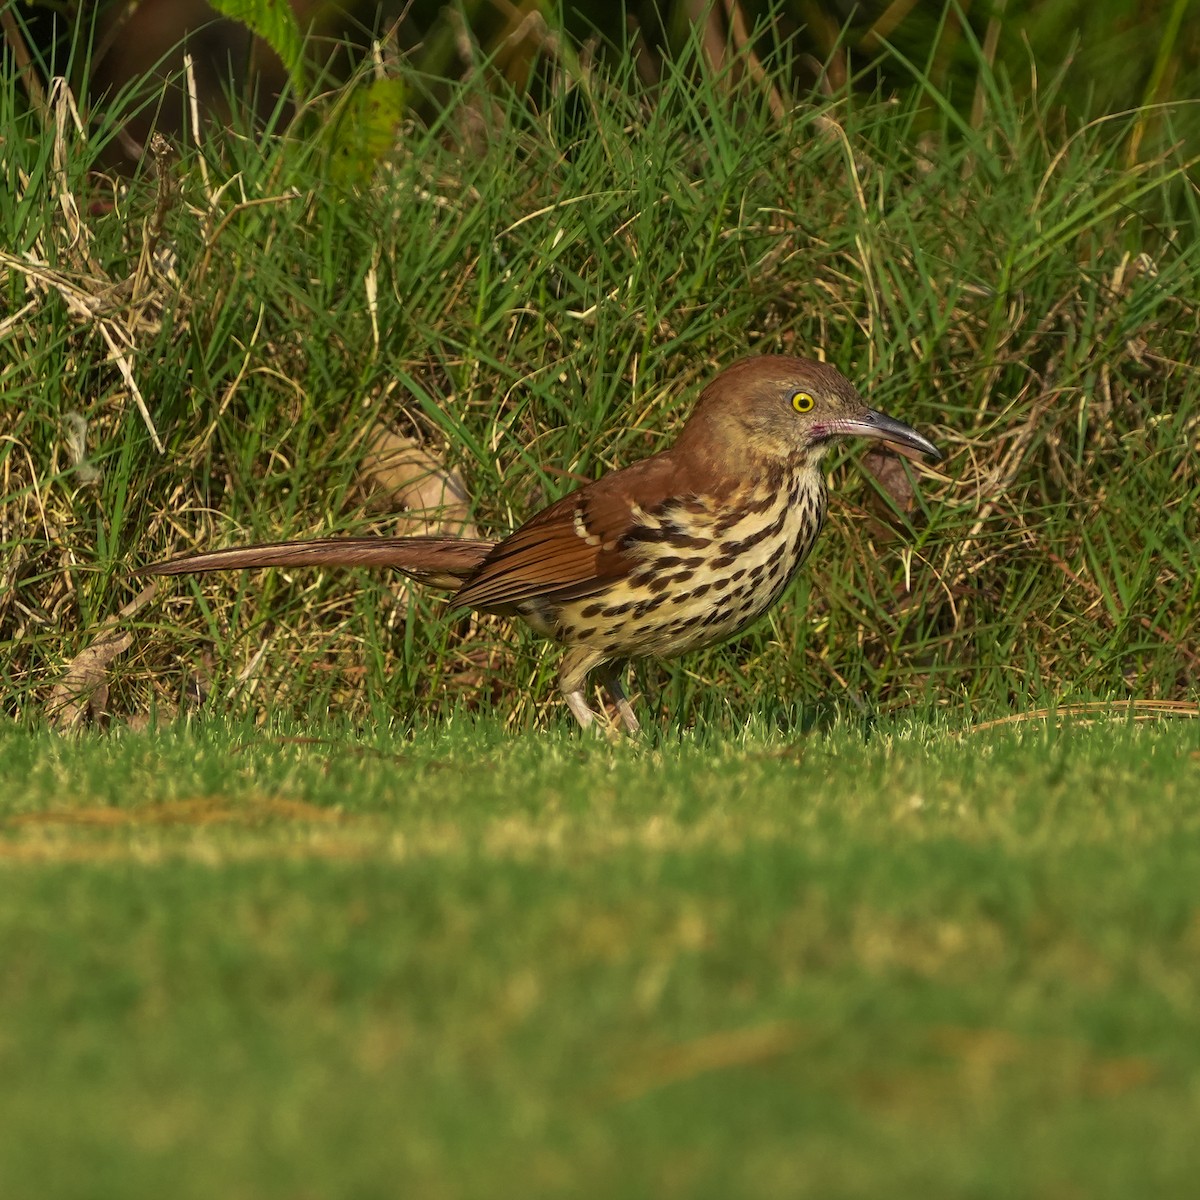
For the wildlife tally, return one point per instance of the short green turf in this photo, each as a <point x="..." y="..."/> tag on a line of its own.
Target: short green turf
<point x="866" y="961"/>
<point x="542" y="301"/>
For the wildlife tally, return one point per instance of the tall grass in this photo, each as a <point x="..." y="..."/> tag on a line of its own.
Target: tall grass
<point x="537" y="297"/>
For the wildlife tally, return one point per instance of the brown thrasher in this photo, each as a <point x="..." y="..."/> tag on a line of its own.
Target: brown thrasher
<point x="676" y="552"/>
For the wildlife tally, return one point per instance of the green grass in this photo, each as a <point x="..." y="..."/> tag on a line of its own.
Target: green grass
<point x="817" y="935"/>
<point x="537" y="297"/>
<point x="896" y="961"/>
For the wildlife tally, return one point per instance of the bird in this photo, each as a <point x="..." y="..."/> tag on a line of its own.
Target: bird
<point x="674" y="553"/>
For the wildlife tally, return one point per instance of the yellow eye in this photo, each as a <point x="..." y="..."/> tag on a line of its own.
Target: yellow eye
<point x="802" y="402"/>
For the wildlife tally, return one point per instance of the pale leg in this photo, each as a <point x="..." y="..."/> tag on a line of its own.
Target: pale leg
<point x="572" y="678"/>
<point x="579" y="706"/>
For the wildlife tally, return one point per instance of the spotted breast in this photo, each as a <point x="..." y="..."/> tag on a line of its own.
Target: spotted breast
<point x="702" y="569"/>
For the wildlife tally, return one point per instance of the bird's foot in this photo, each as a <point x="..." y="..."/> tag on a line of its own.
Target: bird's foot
<point x="586" y="716"/>
<point x="610" y="680"/>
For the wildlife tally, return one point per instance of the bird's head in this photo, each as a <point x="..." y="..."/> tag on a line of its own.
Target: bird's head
<point x="781" y="409"/>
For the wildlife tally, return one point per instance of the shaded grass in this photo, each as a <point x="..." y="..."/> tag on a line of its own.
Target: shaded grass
<point x="905" y="961"/>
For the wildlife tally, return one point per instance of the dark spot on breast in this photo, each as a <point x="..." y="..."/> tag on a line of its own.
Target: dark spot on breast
<point x="733" y="549"/>
<point x="647" y="606"/>
<point x="764" y="501"/>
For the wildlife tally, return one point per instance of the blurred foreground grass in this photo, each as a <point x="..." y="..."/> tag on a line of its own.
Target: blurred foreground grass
<point x="900" y="961"/>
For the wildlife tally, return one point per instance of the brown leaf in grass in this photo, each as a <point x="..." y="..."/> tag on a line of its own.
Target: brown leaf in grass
<point x="408" y="476"/>
<point x="82" y="692"/>
<point x="897" y="484"/>
<point x="893" y="479"/>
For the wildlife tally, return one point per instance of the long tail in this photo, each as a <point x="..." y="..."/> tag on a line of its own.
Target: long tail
<point x="437" y="561"/>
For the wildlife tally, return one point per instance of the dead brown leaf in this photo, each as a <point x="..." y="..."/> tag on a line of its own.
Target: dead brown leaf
<point x="897" y="484"/>
<point x="407" y="476"/>
<point x="894" y="481"/>
<point x="82" y="692"/>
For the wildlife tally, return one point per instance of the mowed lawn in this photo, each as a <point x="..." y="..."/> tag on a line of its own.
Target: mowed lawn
<point x="879" y="961"/>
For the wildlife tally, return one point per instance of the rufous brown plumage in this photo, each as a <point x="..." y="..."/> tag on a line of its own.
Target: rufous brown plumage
<point x="677" y="552"/>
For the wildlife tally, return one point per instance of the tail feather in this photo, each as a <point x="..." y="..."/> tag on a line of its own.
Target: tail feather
<point x="437" y="561"/>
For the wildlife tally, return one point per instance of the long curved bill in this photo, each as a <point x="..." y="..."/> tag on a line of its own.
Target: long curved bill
<point x="874" y="424"/>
